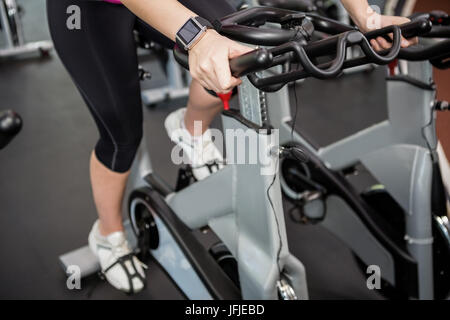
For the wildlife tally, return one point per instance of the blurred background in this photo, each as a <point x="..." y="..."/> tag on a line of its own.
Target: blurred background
<point x="46" y="207"/>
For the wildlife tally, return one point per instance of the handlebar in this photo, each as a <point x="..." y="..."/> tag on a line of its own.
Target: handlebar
<point x="297" y="5"/>
<point x="245" y="26"/>
<point x="438" y="54"/>
<point x="296" y="53"/>
<point x="296" y="49"/>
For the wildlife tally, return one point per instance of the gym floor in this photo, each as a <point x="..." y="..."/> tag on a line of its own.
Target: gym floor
<point x="46" y="207"/>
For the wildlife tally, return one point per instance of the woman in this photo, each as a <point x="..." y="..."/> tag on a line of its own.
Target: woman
<point x="101" y="58"/>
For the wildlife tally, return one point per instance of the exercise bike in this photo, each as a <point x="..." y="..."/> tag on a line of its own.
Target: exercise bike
<point x="399" y="223"/>
<point x="178" y="80"/>
<point x="238" y="208"/>
<point x="11" y="26"/>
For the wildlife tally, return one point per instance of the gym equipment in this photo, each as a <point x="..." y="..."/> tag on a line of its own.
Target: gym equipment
<point x="400" y="223"/>
<point x="11" y="26"/>
<point x="178" y="80"/>
<point x="332" y="9"/>
<point x="238" y="208"/>
<point x="10" y="126"/>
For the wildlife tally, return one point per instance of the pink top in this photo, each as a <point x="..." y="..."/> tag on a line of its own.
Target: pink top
<point x="113" y="1"/>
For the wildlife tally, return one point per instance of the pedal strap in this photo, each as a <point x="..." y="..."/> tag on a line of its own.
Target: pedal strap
<point x="210" y="166"/>
<point x="122" y="262"/>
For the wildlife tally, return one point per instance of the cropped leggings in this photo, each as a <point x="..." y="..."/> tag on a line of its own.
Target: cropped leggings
<point x="102" y="61"/>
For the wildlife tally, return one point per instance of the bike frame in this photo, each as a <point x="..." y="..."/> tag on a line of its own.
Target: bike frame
<point x="400" y="153"/>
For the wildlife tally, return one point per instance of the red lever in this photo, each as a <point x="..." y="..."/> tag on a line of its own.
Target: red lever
<point x="225" y="97"/>
<point x="392" y="67"/>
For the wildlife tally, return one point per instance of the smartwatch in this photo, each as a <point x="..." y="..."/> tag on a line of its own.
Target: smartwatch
<point x="192" y="31"/>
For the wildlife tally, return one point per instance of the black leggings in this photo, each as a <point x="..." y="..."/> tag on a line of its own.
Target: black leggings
<point x="102" y="61"/>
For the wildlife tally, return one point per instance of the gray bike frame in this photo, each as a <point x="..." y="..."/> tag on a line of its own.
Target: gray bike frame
<point x="399" y="153"/>
<point x="233" y="202"/>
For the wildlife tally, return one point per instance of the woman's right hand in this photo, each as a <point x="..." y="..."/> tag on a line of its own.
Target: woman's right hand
<point x="209" y="61"/>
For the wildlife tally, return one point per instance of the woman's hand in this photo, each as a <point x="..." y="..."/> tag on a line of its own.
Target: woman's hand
<point x="209" y="61"/>
<point x="376" y="21"/>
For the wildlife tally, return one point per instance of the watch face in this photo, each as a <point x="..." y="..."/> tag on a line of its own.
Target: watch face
<point x="188" y="32"/>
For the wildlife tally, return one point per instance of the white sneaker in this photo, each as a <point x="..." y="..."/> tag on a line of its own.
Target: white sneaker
<point x="119" y="265"/>
<point x="203" y="155"/>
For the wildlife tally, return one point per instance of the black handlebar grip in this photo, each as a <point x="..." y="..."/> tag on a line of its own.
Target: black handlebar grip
<point x="420" y="53"/>
<point x="442" y="63"/>
<point x="439" y="32"/>
<point x="416" y="28"/>
<point x="253" y="61"/>
<point x="409" y="30"/>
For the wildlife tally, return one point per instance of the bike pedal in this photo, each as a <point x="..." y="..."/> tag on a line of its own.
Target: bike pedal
<point x="185" y="178"/>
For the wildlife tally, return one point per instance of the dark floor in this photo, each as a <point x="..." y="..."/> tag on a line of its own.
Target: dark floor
<point x="46" y="207"/>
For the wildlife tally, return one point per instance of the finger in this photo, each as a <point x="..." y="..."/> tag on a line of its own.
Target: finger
<point x="204" y="84"/>
<point x="212" y="85"/>
<point x="375" y="45"/>
<point x="235" y="82"/>
<point x="212" y="82"/>
<point x="223" y="73"/>
<point x="206" y="71"/>
<point x="383" y="43"/>
<point x="196" y="77"/>
<point x="201" y="79"/>
<point x="405" y="43"/>
<point x="409" y="42"/>
<point x="390" y="35"/>
<point x="211" y="79"/>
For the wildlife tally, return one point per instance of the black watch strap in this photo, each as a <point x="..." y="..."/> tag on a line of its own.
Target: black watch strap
<point x="204" y="22"/>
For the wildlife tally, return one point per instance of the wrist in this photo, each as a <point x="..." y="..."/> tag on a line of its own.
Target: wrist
<point x="204" y="38"/>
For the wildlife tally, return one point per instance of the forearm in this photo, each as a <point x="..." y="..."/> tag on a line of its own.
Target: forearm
<point x="358" y="10"/>
<point x="166" y="16"/>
